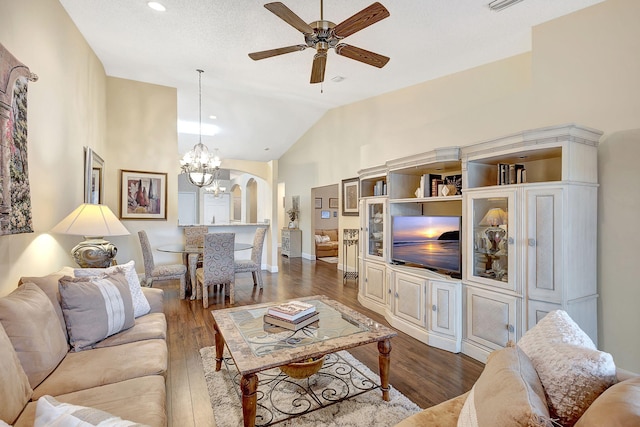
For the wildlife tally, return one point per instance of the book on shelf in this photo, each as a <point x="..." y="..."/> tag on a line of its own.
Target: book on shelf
<point x="291" y="310"/>
<point x="511" y="174"/>
<point x="292" y="326"/>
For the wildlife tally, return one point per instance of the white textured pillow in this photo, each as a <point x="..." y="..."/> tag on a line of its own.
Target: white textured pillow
<point x="140" y="304"/>
<point x="325" y="239"/>
<point x="318" y="238"/>
<point x="572" y="371"/>
<point x="51" y="413"/>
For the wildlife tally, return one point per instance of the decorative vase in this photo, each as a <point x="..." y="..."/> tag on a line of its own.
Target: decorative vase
<point x="301" y="370"/>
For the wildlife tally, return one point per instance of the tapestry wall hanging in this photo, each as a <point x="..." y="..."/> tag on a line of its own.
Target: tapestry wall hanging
<point x="15" y="194"/>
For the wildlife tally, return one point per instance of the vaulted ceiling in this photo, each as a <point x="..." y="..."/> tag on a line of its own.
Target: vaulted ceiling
<point x="263" y="107"/>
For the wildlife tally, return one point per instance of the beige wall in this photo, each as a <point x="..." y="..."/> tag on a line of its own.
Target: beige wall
<point x="66" y="111"/>
<point x="584" y="68"/>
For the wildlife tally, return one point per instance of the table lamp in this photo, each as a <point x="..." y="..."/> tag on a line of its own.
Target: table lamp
<point x="93" y="222"/>
<point x="493" y="219"/>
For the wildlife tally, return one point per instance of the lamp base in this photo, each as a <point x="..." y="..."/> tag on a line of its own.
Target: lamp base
<point x="94" y="252"/>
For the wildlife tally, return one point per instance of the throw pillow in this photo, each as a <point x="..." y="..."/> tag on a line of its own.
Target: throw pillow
<point x="573" y="372"/>
<point x="140" y="304"/>
<point x="31" y="323"/>
<point x="318" y="238"/>
<point x="618" y="406"/>
<point x="95" y="307"/>
<point x="507" y="393"/>
<point x="15" y="391"/>
<point x="51" y="413"/>
<point x="325" y="239"/>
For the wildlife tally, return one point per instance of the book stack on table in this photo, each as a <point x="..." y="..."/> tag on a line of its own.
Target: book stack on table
<point x="291" y="315"/>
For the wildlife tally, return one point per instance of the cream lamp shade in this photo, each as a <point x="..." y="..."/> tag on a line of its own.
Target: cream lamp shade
<point x="92" y="221"/>
<point x="495" y="217"/>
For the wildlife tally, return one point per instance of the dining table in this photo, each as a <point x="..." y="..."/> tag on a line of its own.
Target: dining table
<point x="191" y="254"/>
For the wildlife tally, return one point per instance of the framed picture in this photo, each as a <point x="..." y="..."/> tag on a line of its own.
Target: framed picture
<point x="325" y="214"/>
<point x="143" y="195"/>
<point x="333" y="203"/>
<point x="318" y="202"/>
<point x="350" y="195"/>
<point x="93" y="177"/>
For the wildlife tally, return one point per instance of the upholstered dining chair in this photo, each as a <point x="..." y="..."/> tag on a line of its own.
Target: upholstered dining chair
<point x="194" y="236"/>
<point x="153" y="272"/>
<point x="217" y="265"/>
<point x="254" y="265"/>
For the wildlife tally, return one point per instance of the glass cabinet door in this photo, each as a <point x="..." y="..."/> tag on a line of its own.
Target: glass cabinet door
<point x="491" y="246"/>
<point x="375" y="228"/>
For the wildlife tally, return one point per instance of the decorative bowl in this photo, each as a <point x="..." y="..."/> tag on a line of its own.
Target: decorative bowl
<point x="301" y="370"/>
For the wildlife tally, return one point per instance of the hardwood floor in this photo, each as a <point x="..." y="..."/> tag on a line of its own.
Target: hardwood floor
<point x="424" y="374"/>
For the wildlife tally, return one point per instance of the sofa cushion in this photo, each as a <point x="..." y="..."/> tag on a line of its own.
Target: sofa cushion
<point x="15" y="390"/>
<point x="95" y="307"/>
<point x="140" y="303"/>
<point x="108" y="365"/>
<point x="618" y="406"/>
<point x="332" y="234"/>
<point x="155" y="298"/>
<point x="51" y="413"/>
<point x="30" y="321"/>
<point x="507" y="393"/>
<point x="573" y="372"/>
<point x="444" y="414"/>
<point x="147" y="327"/>
<point x="142" y="400"/>
<point x="49" y="284"/>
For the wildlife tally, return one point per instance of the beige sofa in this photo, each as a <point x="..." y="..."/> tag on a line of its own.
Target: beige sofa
<point x="326" y="243"/>
<point x="122" y="375"/>
<point x="565" y="382"/>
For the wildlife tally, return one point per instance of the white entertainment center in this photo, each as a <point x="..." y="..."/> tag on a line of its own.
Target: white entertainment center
<point x="528" y="242"/>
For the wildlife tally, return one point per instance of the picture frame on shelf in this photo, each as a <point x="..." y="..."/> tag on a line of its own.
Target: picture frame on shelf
<point x="318" y="202"/>
<point x="325" y="214"/>
<point x="93" y="177"/>
<point x="143" y="195"/>
<point x="333" y="202"/>
<point x="350" y="196"/>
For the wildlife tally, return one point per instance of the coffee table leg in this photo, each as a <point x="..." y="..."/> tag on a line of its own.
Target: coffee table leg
<point x="384" y="360"/>
<point x="219" y="346"/>
<point x="249" y="386"/>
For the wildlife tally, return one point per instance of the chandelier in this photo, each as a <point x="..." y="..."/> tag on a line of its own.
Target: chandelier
<point x="199" y="165"/>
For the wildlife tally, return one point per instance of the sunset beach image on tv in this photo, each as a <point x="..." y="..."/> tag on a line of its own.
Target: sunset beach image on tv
<point x="429" y="241"/>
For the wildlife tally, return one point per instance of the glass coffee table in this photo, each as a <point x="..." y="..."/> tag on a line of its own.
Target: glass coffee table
<point x="255" y="347"/>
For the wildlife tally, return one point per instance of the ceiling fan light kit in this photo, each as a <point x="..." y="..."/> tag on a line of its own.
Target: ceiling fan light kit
<point x="323" y="35"/>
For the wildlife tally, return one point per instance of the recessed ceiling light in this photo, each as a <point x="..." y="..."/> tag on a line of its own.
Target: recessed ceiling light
<point x="266" y="149"/>
<point x="156" y="6"/>
<point x="337" y="79"/>
<point x="213" y="117"/>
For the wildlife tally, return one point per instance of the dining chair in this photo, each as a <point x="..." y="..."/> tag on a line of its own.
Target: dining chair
<point x="161" y="272"/>
<point x="217" y="265"/>
<point x="254" y="265"/>
<point x="194" y="236"/>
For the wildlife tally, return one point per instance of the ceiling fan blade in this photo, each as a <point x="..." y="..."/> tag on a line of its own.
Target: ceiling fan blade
<point x="367" y="16"/>
<point x="284" y="13"/>
<point x="275" y="52"/>
<point x="318" y="67"/>
<point x="362" y="55"/>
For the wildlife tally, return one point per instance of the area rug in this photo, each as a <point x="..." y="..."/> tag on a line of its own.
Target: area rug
<point x="329" y="259"/>
<point x="286" y="395"/>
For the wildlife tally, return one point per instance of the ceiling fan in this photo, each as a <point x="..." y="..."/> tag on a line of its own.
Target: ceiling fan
<point x="323" y="35"/>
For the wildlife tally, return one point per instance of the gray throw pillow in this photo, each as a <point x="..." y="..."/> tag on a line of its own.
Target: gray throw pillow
<point x="95" y="307"/>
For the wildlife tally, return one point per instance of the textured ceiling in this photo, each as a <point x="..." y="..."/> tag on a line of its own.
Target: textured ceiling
<point x="263" y="107"/>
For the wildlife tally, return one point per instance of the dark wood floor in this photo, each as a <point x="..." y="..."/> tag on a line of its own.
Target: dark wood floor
<point x="424" y="374"/>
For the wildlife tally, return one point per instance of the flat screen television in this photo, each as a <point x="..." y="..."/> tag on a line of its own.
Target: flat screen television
<point x="431" y="242"/>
